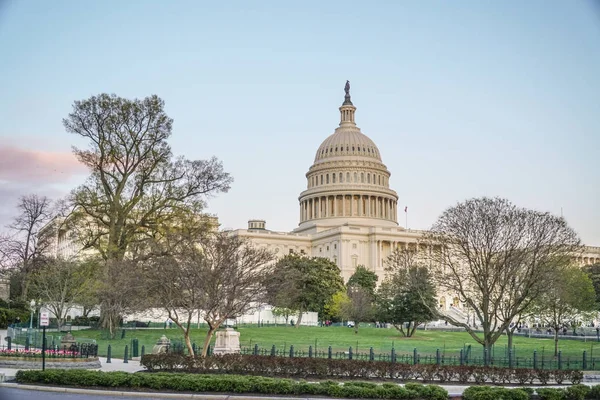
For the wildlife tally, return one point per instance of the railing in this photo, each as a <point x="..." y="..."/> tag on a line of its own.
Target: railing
<point x="76" y="350"/>
<point x="465" y="357"/>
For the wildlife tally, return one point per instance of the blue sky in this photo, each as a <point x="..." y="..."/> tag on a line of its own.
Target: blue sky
<point x="463" y="99"/>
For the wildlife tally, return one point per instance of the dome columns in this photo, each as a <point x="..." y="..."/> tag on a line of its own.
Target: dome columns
<point x="348" y="205"/>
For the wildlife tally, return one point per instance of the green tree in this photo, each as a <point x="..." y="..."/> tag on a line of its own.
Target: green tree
<point x="593" y="272"/>
<point x="334" y="308"/>
<point x="407" y="297"/>
<point x="363" y="278"/>
<point x="566" y="296"/>
<point x="136" y="185"/>
<point x="360" y="292"/>
<point x="304" y="284"/>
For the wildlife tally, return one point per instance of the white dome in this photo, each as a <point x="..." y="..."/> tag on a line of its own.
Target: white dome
<point x="347" y="142"/>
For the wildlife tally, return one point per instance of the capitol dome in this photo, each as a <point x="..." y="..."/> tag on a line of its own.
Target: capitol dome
<point x="348" y="182"/>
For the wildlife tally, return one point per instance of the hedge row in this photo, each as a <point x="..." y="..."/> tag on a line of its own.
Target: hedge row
<point x="230" y="384"/>
<point x="303" y="367"/>
<point x="575" y="392"/>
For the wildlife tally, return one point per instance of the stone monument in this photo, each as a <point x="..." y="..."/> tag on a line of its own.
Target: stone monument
<point x="227" y="341"/>
<point x="162" y="345"/>
<point x="68" y="342"/>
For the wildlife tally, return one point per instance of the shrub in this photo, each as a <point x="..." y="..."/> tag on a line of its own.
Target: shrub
<point x="494" y="393"/>
<point x="229" y="383"/>
<point x="551" y="394"/>
<point x="577" y="392"/>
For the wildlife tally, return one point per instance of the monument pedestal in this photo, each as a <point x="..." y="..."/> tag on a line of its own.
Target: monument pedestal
<point x="227" y="342"/>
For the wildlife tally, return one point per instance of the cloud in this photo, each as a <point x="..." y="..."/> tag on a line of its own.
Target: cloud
<point x="22" y="165"/>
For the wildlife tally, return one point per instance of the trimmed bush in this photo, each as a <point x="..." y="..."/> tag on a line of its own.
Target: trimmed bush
<point x="229" y="384"/>
<point x="323" y="368"/>
<point x="494" y="393"/>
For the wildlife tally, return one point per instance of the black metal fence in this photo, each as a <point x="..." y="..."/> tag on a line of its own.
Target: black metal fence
<point x="75" y="350"/>
<point x="465" y="357"/>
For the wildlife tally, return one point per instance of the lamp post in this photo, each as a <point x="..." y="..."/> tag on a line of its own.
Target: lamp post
<point x="32" y="308"/>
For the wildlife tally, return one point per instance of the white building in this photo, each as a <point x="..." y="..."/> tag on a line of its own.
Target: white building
<point x="348" y="212"/>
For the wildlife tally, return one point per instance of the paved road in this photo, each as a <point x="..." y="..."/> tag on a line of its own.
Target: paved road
<point x="21" y="394"/>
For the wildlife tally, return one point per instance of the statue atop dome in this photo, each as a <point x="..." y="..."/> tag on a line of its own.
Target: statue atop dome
<point x="347" y="100"/>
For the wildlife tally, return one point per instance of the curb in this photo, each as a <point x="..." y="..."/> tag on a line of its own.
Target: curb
<point x="118" y="393"/>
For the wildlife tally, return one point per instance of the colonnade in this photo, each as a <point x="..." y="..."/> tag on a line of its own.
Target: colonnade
<point x="589" y="260"/>
<point x="348" y="205"/>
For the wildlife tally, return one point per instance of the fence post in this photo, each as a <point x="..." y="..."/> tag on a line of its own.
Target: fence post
<point x="273" y="350"/>
<point x="291" y="351"/>
<point x="194" y="348"/>
<point x="462" y="360"/>
<point x="27" y="342"/>
<point x="209" y="350"/>
<point x="560" y="359"/>
<point x="415" y="358"/>
<point x="584" y="360"/>
<point x="485" y="356"/>
<point x="108" y="355"/>
<point x="535" y="359"/>
<point x="9" y="340"/>
<point x="371" y="354"/>
<point x="510" y="358"/>
<point x="255" y="352"/>
<point x="350" y="353"/>
<point x="135" y="348"/>
<point x="144" y="352"/>
<point x="310" y="354"/>
<point x="126" y="354"/>
<point x="329" y="352"/>
<point x="437" y="357"/>
<point x="393" y="355"/>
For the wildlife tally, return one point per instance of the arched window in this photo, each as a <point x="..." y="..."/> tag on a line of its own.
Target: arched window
<point x="321" y="179"/>
<point x="380" y="179"/>
<point x="355" y="177"/>
<point x="347" y="176"/>
<point x="368" y="178"/>
<point x="341" y="178"/>
<point x="327" y="178"/>
<point x="332" y="178"/>
<point x="362" y="177"/>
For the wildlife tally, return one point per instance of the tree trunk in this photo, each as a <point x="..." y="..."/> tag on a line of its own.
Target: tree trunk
<point x="299" y="319"/>
<point x="509" y="336"/>
<point x="400" y="329"/>
<point x="188" y="342"/>
<point x="555" y="342"/>
<point x="414" y="328"/>
<point x="356" y="328"/>
<point x="487" y="351"/>
<point x="209" y="334"/>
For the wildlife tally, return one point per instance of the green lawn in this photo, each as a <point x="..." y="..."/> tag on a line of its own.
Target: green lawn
<point x="341" y="338"/>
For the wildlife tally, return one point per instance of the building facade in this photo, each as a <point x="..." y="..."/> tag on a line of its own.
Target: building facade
<point x="348" y="212"/>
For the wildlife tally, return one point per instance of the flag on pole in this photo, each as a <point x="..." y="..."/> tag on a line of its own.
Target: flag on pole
<point x="405" y="208"/>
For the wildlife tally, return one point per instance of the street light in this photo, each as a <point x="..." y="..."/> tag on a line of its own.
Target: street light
<point x="32" y="308"/>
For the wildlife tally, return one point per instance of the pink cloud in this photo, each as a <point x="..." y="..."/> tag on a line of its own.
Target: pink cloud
<point x="35" y="166"/>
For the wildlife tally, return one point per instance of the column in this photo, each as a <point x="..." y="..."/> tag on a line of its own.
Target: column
<point x="335" y="210"/>
<point x="343" y="205"/>
<point x="380" y="255"/>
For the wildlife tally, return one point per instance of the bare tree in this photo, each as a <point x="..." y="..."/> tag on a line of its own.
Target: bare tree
<point x="60" y="284"/>
<point x="359" y="306"/>
<point x="20" y="250"/>
<point x="496" y="257"/>
<point x="235" y="274"/>
<point x="136" y="186"/>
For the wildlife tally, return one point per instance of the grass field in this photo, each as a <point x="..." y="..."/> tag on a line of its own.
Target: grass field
<point x="341" y="338"/>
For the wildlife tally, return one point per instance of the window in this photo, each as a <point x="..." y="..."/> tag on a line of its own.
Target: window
<point x="327" y="248"/>
<point x="321" y="179"/>
<point x="327" y="178"/>
<point x="380" y="179"/>
<point x="313" y="181"/>
<point x="347" y="176"/>
<point x="341" y="177"/>
<point x="333" y="178"/>
<point x="354" y="245"/>
<point x="302" y="252"/>
<point x="368" y="178"/>
<point x="335" y="246"/>
<point x="362" y="177"/>
<point x="355" y="177"/>
<point x="291" y="251"/>
<point x="354" y="262"/>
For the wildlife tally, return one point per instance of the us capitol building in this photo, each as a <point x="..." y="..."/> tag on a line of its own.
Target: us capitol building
<point x="348" y="212"/>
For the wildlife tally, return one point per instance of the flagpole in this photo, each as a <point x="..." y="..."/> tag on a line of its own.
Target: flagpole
<point x="405" y="217"/>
